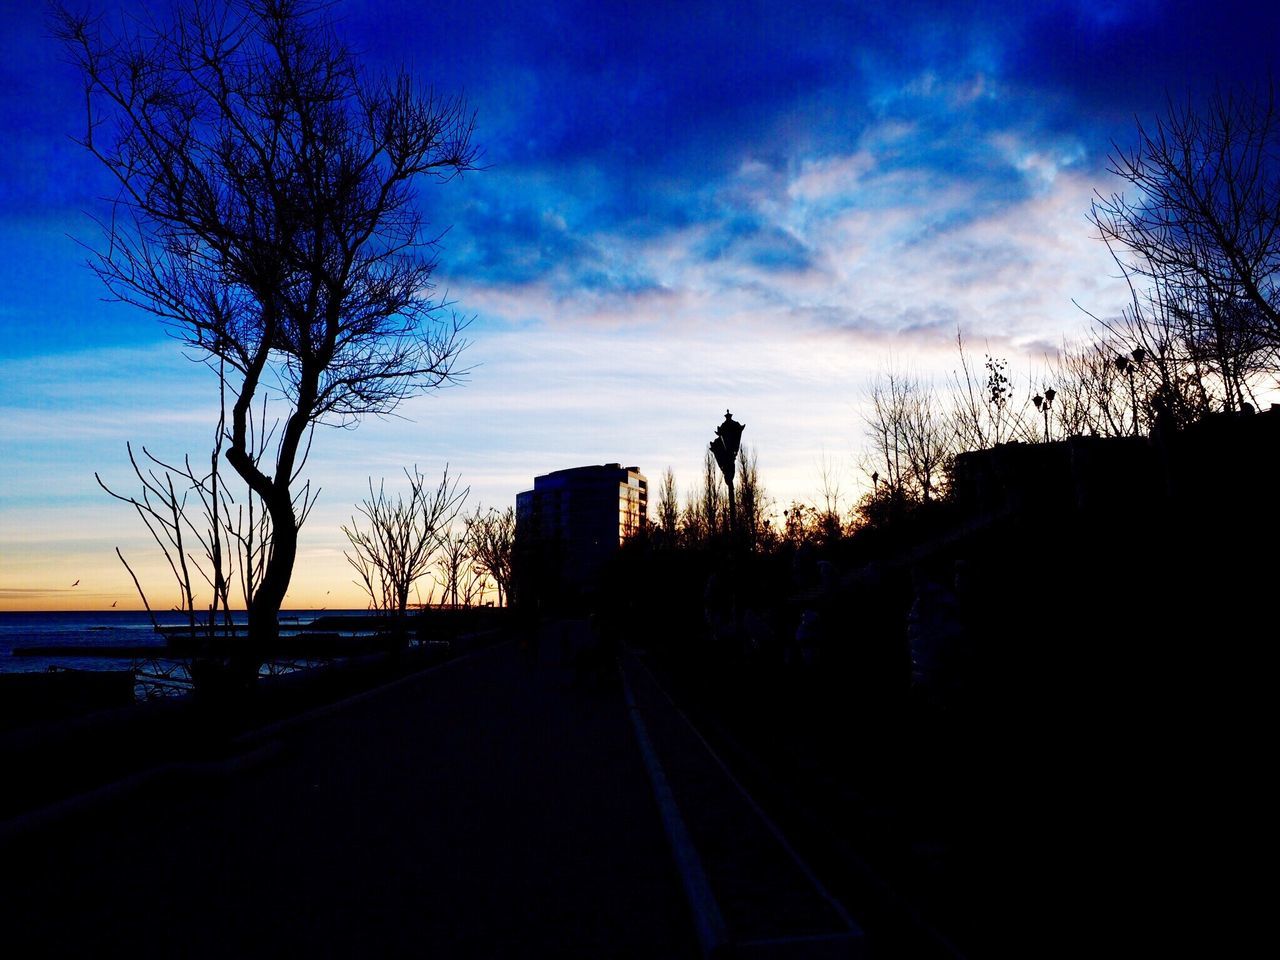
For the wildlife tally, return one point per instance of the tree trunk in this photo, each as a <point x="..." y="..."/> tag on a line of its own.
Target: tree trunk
<point x="264" y="608"/>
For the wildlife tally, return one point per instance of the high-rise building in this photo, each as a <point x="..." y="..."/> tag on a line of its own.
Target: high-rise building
<point x="572" y="521"/>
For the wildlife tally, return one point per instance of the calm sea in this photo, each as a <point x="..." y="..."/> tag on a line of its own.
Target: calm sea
<point x="89" y="631"/>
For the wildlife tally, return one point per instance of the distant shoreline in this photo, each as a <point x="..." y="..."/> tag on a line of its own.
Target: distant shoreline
<point x="180" y="613"/>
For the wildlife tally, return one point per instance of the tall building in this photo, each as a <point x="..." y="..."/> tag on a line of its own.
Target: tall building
<point x="571" y="522"/>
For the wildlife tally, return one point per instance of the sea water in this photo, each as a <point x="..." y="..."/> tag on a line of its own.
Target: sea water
<point x="87" y="630"/>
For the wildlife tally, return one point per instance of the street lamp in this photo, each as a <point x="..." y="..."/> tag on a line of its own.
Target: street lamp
<point x="725" y="449"/>
<point x="1043" y="404"/>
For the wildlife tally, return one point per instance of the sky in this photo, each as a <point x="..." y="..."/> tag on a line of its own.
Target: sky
<point x="684" y="208"/>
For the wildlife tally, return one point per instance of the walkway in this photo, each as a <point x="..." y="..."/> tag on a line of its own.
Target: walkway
<point x="497" y="806"/>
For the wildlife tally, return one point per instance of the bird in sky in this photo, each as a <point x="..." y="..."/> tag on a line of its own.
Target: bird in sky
<point x="76" y="584"/>
<point x="114" y="602"/>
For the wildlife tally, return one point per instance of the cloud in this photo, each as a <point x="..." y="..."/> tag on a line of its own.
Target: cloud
<point x="795" y="349"/>
<point x="758" y="243"/>
<point x="687" y="206"/>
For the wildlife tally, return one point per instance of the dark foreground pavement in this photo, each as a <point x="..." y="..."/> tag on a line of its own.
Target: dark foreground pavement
<point x="489" y="808"/>
<point x="524" y="801"/>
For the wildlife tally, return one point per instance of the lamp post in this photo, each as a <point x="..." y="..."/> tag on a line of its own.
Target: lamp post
<point x="1043" y="404"/>
<point x="725" y="448"/>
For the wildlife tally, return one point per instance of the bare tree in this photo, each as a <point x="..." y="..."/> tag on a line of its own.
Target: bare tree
<point x="266" y="213"/>
<point x="1224" y="343"/>
<point x="753" y="524"/>
<point x="799" y="524"/>
<point x="911" y="436"/>
<point x="1203" y="223"/>
<point x="713" y="505"/>
<point x="492" y="536"/>
<point x="453" y="568"/>
<point x="1197" y="352"/>
<point x="829" y="492"/>
<point x="693" y="529"/>
<point x="394" y="545"/>
<point x="1090" y="393"/>
<point x="828" y="517"/>
<point x="475" y="585"/>
<point x="668" y="509"/>
<point x="163" y="509"/>
<point x="232" y="535"/>
<point x="984" y="411"/>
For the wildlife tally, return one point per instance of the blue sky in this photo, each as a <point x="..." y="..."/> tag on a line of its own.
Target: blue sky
<point x="685" y="207"/>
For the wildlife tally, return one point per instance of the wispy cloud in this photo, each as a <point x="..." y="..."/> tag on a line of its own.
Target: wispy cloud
<point x="687" y="207"/>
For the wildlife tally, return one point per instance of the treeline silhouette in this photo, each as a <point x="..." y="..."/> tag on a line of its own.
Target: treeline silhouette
<point x="1019" y="689"/>
<point x="1028" y="668"/>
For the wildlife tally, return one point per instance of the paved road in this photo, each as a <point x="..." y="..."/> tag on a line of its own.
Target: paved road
<point x="490" y="808"/>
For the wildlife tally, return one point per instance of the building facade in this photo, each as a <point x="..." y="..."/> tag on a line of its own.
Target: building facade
<point x="571" y="523"/>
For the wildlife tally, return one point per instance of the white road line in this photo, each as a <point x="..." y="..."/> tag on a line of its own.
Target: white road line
<point x="707" y="919"/>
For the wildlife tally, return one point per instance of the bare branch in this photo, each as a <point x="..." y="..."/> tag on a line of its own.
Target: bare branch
<point x="266" y="213"/>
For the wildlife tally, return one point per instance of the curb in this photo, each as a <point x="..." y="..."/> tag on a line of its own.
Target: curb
<point x="707" y="919"/>
<point x="713" y="934"/>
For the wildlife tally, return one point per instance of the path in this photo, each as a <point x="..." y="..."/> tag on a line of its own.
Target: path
<point x="501" y="805"/>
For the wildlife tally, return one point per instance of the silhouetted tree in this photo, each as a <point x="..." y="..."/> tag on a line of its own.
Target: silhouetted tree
<point x="713" y="507"/>
<point x="163" y="509"/>
<point x="266" y="214"/>
<point x="453" y="567"/>
<point x="1203" y="222"/>
<point x="492" y="536"/>
<point x="394" y="545"/>
<point x="182" y="507"/>
<point x="827" y="517"/>
<point x="753" y="523"/>
<point x="798" y="524"/>
<point x="1091" y="394"/>
<point x="668" y="509"/>
<point x="475" y="584"/>
<point x="983" y="409"/>
<point x="693" y="531"/>
<point x="1199" y="352"/>
<point x="911" y="436"/>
